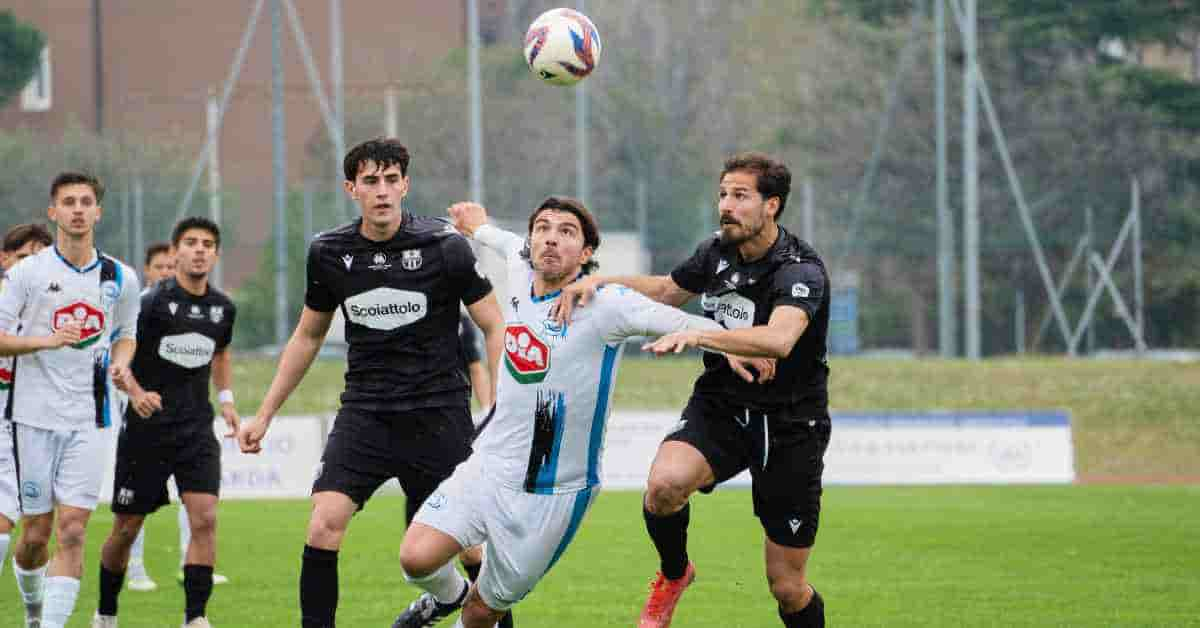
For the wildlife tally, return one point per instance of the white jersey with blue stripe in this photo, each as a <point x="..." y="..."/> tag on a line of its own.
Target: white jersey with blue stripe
<point x="555" y="382"/>
<point x="66" y="388"/>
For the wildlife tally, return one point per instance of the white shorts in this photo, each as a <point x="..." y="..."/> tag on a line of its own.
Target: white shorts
<point x="525" y="533"/>
<point x="10" y="505"/>
<point x="60" y="467"/>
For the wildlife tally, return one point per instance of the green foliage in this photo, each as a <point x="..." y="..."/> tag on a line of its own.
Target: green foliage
<point x="20" y="46"/>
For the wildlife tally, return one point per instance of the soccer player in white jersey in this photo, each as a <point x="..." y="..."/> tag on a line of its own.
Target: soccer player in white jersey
<point x="19" y="242"/>
<point x="77" y="309"/>
<point x="535" y="469"/>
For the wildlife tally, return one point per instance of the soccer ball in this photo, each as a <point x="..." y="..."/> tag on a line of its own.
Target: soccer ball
<point x="562" y="46"/>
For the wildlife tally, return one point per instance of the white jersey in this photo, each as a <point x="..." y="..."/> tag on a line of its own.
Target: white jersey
<point x="555" y="382"/>
<point x="66" y="388"/>
<point x="6" y="365"/>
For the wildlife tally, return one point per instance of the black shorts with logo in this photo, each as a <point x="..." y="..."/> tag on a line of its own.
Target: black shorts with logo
<point x="783" y="450"/>
<point x="149" y="451"/>
<point x="418" y="447"/>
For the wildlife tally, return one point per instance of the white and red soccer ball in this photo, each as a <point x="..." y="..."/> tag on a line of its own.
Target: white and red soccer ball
<point x="562" y="46"/>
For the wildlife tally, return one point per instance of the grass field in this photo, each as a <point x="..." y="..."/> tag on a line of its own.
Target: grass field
<point x="1089" y="555"/>
<point x="946" y="556"/>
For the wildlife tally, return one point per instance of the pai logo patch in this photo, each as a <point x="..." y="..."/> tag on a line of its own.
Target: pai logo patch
<point x="5" y="376"/>
<point x="91" y="317"/>
<point x="526" y="356"/>
<point x="799" y="291"/>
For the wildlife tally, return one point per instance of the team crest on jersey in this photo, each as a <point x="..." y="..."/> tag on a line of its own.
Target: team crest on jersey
<point x="721" y="266"/>
<point x="216" y="314"/>
<point x="91" y="317"/>
<point x="379" y="261"/>
<point x="554" y="328"/>
<point x="526" y="356"/>
<point x="195" y="312"/>
<point x="173" y="307"/>
<point x="5" y="378"/>
<point x="410" y="259"/>
<point x="109" y="291"/>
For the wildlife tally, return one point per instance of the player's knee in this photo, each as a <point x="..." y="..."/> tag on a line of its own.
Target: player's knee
<point x="476" y="612"/>
<point x="125" y="530"/>
<point x="416" y="561"/>
<point x="72" y="533"/>
<point x="791" y="593"/>
<point x="325" y="532"/>
<point x="204" y="522"/>
<point x="666" y="493"/>
<point x="471" y="555"/>
<point x="36" y="533"/>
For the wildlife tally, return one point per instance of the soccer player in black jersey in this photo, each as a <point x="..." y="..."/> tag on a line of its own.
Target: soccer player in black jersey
<point x="399" y="280"/>
<point x="183" y="333"/>
<point x="770" y="290"/>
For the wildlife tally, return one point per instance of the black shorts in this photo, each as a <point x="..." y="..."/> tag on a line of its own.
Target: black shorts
<point x="783" y="450"/>
<point x="149" y="453"/>
<point x="419" y="447"/>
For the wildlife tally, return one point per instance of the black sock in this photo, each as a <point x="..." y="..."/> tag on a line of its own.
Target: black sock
<point x="811" y="616"/>
<point x="669" y="534"/>
<point x="318" y="588"/>
<point x="473" y="575"/>
<point x="197" y="588"/>
<point x="110" y="587"/>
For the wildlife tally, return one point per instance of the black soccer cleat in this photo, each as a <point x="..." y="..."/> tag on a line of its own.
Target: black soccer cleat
<point x="426" y="611"/>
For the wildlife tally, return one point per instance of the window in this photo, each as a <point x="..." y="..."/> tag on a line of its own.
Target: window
<point x="36" y="95"/>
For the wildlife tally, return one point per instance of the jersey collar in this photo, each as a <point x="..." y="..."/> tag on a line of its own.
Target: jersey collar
<point x="552" y="295"/>
<point x="75" y="268"/>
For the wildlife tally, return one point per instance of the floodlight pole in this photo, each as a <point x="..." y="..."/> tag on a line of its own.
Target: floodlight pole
<point x="279" y="172"/>
<point x="214" y="172"/>
<point x="476" y="97"/>
<point x="947" y="321"/>
<point x="583" y="174"/>
<point x="971" y="184"/>
<point x="339" y="107"/>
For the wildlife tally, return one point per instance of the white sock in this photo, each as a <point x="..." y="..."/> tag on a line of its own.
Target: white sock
<point x="31" y="583"/>
<point x="185" y="534"/>
<point x="4" y="541"/>
<point x="459" y="623"/>
<point x="446" y="584"/>
<point x="137" y="553"/>
<point x="61" y="592"/>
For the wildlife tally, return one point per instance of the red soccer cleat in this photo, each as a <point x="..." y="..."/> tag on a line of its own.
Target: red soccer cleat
<point x="664" y="595"/>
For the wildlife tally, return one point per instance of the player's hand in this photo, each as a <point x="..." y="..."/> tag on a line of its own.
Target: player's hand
<point x="122" y="377"/>
<point x="765" y="367"/>
<point x="467" y="217"/>
<point x="145" y="403"/>
<point x="673" y="343"/>
<point x="232" y="420"/>
<point x="575" y="294"/>
<point x="250" y="435"/>
<point x="67" y="335"/>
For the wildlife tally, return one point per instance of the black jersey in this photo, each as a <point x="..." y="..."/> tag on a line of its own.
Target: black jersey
<point x="177" y="335"/>
<point x="401" y="302"/>
<point x="738" y="294"/>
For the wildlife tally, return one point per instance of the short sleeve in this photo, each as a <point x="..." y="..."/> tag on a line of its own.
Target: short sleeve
<point x="129" y="305"/>
<point x="230" y="318"/>
<point x="463" y="270"/>
<point x="802" y="285"/>
<point x="692" y="274"/>
<point x="318" y="290"/>
<point x="12" y="297"/>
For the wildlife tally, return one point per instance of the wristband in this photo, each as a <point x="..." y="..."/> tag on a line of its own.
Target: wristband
<point x="225" y="396"/>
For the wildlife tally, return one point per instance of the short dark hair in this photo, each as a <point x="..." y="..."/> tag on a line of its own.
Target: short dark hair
<point x="158" y="248"/>
<point x="21" y="235"/>
<point x="195" y="222"/>
<point x="384" y="151"/>
<point x="774" y="178"/>
<point x="591" y="229"/>
<point x="72" y="178"/>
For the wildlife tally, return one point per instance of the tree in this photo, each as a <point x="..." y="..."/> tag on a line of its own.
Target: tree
<point x="20" y="47"/>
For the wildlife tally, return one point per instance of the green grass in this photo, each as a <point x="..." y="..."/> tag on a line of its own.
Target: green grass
<point x="1130" y="419"/>
<point x="938" y="556"/>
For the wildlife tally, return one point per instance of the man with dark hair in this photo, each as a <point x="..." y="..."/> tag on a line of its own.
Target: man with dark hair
<point x="400" y="280"/>
<point x="77" y="310"/>
<point x="770" y="292"/>
<point x="159" y="263"/>
<point x="20" y="242"/>
<point x="184" y="334"/>
<point x="536" y="466"/>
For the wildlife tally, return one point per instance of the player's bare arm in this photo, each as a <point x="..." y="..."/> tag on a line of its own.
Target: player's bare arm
<point x="486" y="314"/>
<point x="773" y="340"/>
<point x="222" y="378"/>
<point x="661" y="288"/>
<point x="297" y="356"/>
<point x="66" y="335"/>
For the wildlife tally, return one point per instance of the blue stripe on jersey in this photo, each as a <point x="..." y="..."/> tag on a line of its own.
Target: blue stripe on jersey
<point x="544" y="484"/>
<point x="607" y="367"/>
<point x="75" y="268"/>
<point x="582" y="500"/>
<point x="120" y="280"/>
<point x="106" y="411"/>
